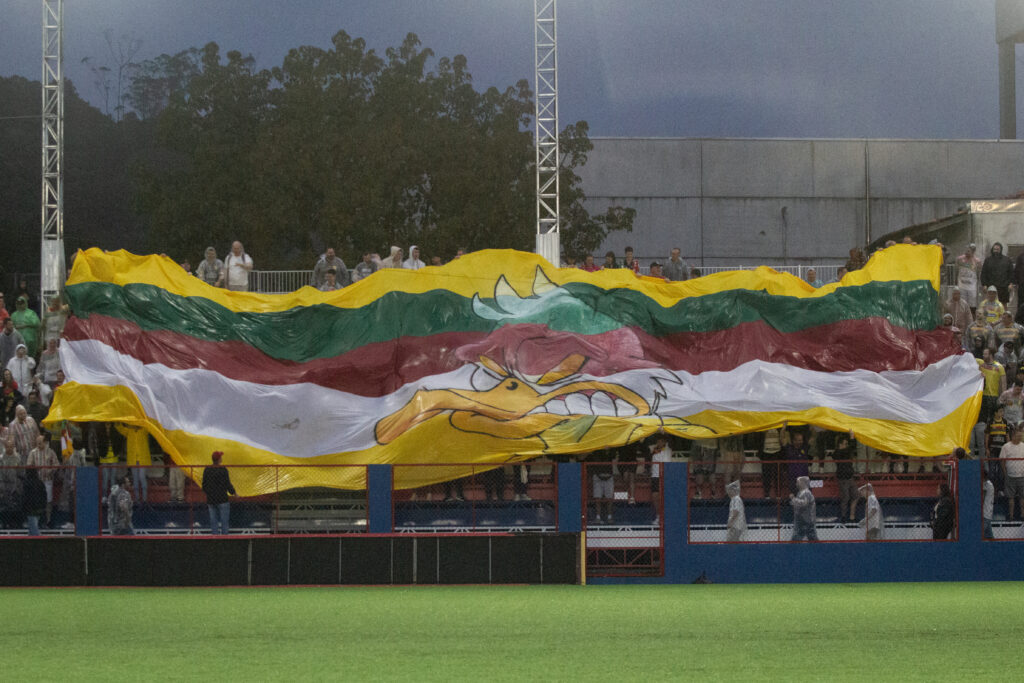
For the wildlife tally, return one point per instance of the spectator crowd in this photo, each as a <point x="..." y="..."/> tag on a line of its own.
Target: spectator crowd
<point x="981" y="310"/>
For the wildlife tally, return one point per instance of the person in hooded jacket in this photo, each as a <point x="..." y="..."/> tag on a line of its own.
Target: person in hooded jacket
<point x="394" y="260"/>
<point x="997" y="271"/>
<point x="736" y="525"/>
<point x="413" y="262"/>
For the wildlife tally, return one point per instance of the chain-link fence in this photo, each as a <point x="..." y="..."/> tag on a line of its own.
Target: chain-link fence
<point x="37" y="501"/>
<point x="506" y="498"/>
<point x="1002" y="499"/>
<point x="890" y="499"/>
<point x="159" y="500"/>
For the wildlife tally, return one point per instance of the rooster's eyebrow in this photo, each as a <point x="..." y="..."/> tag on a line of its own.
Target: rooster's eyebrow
<point x="493" y="366"/>
<point x="570" y="365"/>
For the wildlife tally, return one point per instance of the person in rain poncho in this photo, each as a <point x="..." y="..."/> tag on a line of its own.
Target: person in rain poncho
<point x="413" y="262"/>
<point x="737" y="524"/>
<point x="873" y="520"/>
<point x="394" y="260"/>
<point x="804" y="511"/>
<point x="987" y="506"/>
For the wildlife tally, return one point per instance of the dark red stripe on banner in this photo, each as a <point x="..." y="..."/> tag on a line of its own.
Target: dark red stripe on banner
<point x="531" y="350"/>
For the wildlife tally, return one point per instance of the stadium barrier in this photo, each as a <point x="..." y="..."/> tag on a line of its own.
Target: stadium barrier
<point x="622" y="515"/>
<point x="284" y="281"/>
<point x="907" y="494"/>
<point x="683" y="558"/>
<point x="1005" y="521"/>
<point x="278" y="281"/>
<point x="508" y="498"/>
<point x="290" y="560"/>
<point x="170" y="500"/>
<point x="59" y="484"/>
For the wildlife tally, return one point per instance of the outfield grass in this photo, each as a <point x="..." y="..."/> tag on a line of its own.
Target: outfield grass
<point x="938" y="631"/>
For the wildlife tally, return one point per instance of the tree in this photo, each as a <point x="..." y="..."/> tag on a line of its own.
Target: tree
<point x="156" y="80"/>
<point x="99" y="155"/>
<point x="121" y="51"/>
<point x="204" y="189"/>
<point x="343" y="147"/>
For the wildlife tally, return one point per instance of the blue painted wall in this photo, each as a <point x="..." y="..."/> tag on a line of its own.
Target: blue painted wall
<point x="378" y="499"/>
<point x="968" y="559"/>
<point x="570" y="497"/>
<point x="87" y="504"/>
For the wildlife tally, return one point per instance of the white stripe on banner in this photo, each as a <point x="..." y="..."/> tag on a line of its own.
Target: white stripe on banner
<point x="306" y="420"/>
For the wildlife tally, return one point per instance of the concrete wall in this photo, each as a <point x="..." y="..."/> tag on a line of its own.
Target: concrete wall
<point x="734" y="202"/>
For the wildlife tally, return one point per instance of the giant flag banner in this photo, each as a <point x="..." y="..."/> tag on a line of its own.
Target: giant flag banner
<point x="499" y="357"/>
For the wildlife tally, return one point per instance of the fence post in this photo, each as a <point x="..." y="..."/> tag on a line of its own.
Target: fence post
<point x="968" y="497"/>
<point x="378" y="499"/>
<point x="570" y="497"/>
<point x="675" y="523"/>
<point x="87" y="502"/>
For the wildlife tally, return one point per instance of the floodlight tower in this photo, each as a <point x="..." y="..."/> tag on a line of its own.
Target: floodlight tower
<point x="545" y="52"/>
<point x="52" y="252"/>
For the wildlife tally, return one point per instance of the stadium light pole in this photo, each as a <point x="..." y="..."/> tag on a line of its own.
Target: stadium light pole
<point x="52" y="270"/>
<point x="545" y="120"/>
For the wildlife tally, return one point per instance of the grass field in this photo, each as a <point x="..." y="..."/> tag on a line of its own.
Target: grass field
<point x="940" y="631"/>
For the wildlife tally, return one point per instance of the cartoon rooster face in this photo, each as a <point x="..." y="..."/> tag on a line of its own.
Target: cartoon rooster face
<point x="528" y="377"/>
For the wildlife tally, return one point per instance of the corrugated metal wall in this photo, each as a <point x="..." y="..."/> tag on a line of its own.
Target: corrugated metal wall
<point x="729" y="201"/>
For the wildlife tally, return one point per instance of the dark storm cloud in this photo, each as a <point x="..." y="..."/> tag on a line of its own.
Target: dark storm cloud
<point x="790" y="68"/>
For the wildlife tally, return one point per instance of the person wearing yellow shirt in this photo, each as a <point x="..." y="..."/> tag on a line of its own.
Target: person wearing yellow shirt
<point x="139" y="458"/>
<point x="992" y="307"/>
<point x="995" y="383"/>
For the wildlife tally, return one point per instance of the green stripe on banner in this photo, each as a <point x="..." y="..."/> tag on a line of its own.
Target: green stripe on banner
<point x="324" y="331"/>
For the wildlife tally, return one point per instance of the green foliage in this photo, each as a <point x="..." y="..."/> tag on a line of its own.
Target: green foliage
<point x="338" y="147"/>
<point x="347" y="148"/>
<point x="98" y="182"/>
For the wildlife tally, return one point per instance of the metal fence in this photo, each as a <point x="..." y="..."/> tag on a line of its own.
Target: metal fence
<point x="25" y="508"/>
<point x="509" y="498"/>
<point x="278" y="281"/>
<point x="770" y="509"/>
<point x="623" y="514"/>
<point x="171" y="501"/>
<point x="824" y="273"/>
<point x="283" y="281"/>
<point x="1002" y="499"/>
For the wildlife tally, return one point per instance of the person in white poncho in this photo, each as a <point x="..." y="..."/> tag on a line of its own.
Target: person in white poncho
<point x="873" y="520"/>
<point x="413" y="262"/>
<point x="737" y="524"/>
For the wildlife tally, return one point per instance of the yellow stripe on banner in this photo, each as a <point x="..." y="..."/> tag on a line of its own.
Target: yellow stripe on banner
<point x="905" y="438"/>
<point x="476" y="274"/>
<point x="452" y="453"/>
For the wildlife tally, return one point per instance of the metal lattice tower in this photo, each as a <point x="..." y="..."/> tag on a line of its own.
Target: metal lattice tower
<point x="53" y="150"/>
<point x="545" y="51"/>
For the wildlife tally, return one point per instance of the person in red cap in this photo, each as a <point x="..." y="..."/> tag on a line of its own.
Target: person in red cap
<point x="217" y="486"/>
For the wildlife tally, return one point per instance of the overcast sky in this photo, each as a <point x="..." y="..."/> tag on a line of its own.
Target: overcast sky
<point x="664" y="68"/>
